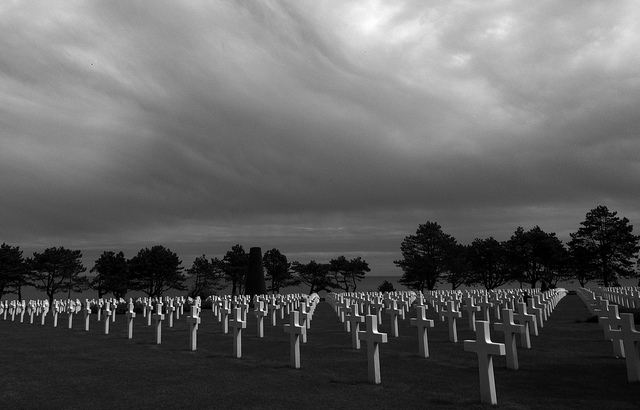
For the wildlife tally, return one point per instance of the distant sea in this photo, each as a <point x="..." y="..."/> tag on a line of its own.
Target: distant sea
<point x="368" y="284"/>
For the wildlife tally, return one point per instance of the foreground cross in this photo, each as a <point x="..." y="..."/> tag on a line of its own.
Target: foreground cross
<point x="295" y="330"/>
<point x="471" y="309"/>
<point x="394" y="311"/>
<point x="485" y="349"/>
<point x="194" y="321"/>
<point x="225" y="311"/>
<point x="510" y="329"/>
<point x="452" y="315"/>
<point x="107" y="316"/>
<point x="158" y="317"/>
<point x="631" y="339"/>
<point x="612" y="321"/>
<point x="422" y="323"/>
<point x="260" y="313"/>
<point x="237" y="324"/>
<point x="373" y="338"/>
<point x="87" y="314"/>
<point x="71" y="310"/>
<point x="130" y="316"/>
<point x="354" y="319"/>
<point x="529" y="322"/>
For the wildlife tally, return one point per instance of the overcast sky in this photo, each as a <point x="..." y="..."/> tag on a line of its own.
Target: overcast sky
<point x="321" y="128"/>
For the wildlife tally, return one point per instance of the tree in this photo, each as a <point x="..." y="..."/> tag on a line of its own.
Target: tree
<point x="581" y="265"/>
<point x="13" y="274"/>
<point x="278" y="270"/>
<point x="607" y="243"/>
<point x="313" y="274"/>
<point x="347" y="273"/>
<point x="55" y="270"/>
<point x="112" y="275"/>
<point x="536" y="256"/>
<point x="206" y="275"/>
<point x="156" y="270"/>
<point x="386" y="286"/>
<point x="426" y="256"/>
<point x="489" y="266"/>
<point x="459" y="266"/>
<point x="234" y="267"/>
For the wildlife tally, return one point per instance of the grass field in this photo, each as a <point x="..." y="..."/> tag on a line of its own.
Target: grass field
<point x="570" y="365"/>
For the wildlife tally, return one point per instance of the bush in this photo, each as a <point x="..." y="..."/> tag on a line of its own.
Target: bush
<point x="386" y="286"/>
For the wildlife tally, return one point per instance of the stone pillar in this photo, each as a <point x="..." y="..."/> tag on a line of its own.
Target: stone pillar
<point x="255" y="283"/>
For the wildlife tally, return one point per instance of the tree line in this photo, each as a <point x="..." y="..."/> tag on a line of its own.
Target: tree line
<point x="603" y="250"/>
<point x="155" y="270"/>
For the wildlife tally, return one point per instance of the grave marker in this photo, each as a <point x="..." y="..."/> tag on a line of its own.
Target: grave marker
<point x="422" y="323"/>
<point x="373" y="338"/>
<point x="237" y="324"/>
<point x="509" y="328"/>
<point x="354" y="319"/>
<point x="394" y="312"/>
<point x="260" y="312"/>
<point x="130" y="316"/>
<point x="295" y="330"/>
<point x="107" y="316"/>
<point x="452" y="316"/>
<point x="471" y="309"/>
<point x="631" y="339"/>
<point x="158" y="317"/>
<point x="485" y="349"/>
<point x="529" y="322"/>
<point x="87" y="314"/>
<point x="194" y="321"/>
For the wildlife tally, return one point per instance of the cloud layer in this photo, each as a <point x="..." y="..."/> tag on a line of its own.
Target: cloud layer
<point x="322" y="128"/>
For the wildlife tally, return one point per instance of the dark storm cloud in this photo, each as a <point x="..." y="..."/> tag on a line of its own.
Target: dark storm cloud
<point x="319" y="127"/>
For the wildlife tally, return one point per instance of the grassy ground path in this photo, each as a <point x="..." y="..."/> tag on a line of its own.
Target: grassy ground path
<point x="569" y="366"/>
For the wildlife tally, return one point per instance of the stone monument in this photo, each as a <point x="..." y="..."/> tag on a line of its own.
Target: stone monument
<point x="255" y="283"/>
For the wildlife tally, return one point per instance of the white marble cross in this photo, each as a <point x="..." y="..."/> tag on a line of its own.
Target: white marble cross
<point x="194" y="321"/>
<point x="273" y="311"/>
<point x="452" y="316"/>
<point x="485" y="306"/>
<point x="471" y="309"/>
<point x="295" y="330"/>
<point x="148" y="311"/>
<point x="237" y="324"/>
<point x="354" y="319"/>
<point x="114" y="306"/>
<point x="538" y="312"/>
<point x="260" y="312"/>
<point x="394" y="312"/>
<point x="529" y="322"/>
<point x="373" y="338"/>
<point x="130" y="316"/>
<point x="612" y="321"/>
<point x="57" y="308"/>
<point x="225" y="311"/>
<point x="510" y="329"/>
<point x="631" y="339"/>
<point x="485" y="349"/>
<point x="31" y="310"/>
<point x="45" y="310"/>
<point x="87" y="314"/>
<point x="305" y="319"/>
<point x="23" y="309"/>
<point x="170" y="310"/>
<point x="71" y="310"/>
<point x="107" y="317"/>
<point x="158" y="317"/>
<point x="422" y="323"/>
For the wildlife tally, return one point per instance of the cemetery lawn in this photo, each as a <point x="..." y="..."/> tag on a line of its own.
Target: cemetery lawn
<point x="569" y="366"/>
